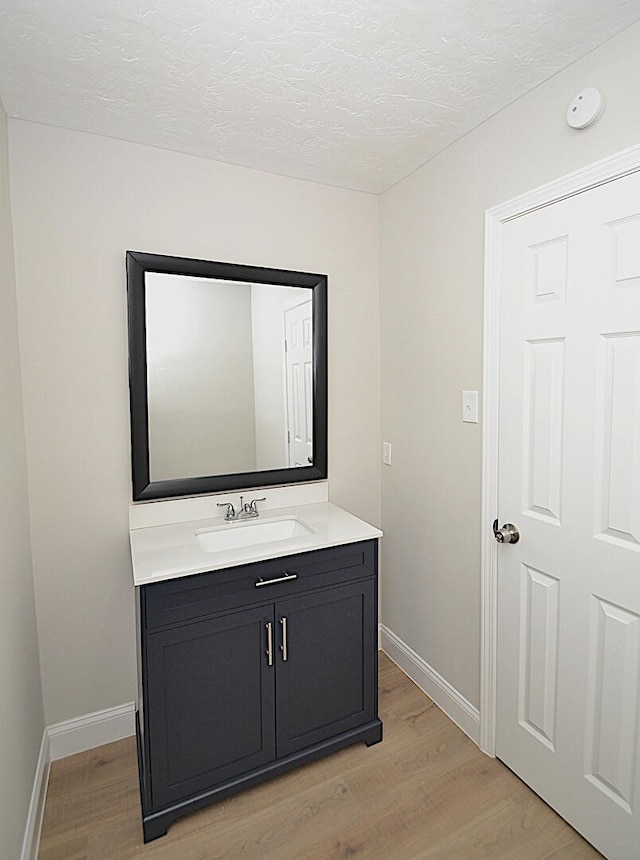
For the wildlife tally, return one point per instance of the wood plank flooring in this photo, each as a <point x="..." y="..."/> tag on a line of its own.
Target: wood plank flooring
<point x="425" y="793"/>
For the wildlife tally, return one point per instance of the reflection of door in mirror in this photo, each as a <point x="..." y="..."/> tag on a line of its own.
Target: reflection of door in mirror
<point x="299" y="376"/>
<point x="269" y="372"/>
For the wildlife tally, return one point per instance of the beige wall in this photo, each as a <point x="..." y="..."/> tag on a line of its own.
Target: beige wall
<point x="79" y="201"/>
<point x="431" y="281"/>
<point x="21" y="717"/>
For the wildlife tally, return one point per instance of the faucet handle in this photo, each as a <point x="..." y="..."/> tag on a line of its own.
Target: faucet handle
<point x="252" y="504"/>
<point x="231" y="511"/>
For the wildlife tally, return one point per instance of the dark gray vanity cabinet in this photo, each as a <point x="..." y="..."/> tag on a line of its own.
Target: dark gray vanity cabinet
<point x="250" y="671"/>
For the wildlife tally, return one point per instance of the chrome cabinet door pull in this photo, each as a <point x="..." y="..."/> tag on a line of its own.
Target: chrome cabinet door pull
<point x="269" y="651"/>
<point x="283" y="647"/>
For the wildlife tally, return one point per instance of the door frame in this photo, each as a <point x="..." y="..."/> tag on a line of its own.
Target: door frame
<point x="606" y="170"/>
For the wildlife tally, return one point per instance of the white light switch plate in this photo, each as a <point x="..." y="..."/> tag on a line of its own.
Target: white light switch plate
<point x="386" y="453"/>
<point x="470" y="406"/>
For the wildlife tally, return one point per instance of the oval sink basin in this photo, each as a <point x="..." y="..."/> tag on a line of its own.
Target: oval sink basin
<point x="252" y="533"/>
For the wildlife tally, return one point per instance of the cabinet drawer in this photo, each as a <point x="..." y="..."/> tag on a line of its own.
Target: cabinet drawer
<point x="175" y="601"/>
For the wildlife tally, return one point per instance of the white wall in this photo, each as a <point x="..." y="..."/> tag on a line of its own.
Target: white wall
<point x="431" y="281"/>
<point x="21" y="717"/>
<point x="79" y="201"/>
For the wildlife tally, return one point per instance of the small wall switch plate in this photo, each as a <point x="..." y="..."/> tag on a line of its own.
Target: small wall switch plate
<point x="470" y="407"/>
<point x="386" y="453"/>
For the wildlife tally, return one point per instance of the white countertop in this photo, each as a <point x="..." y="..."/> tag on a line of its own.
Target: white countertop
<point x="169" y="551"/>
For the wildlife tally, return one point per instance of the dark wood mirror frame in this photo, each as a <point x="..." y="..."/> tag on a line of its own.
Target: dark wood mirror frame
<point x="144" y="489"/>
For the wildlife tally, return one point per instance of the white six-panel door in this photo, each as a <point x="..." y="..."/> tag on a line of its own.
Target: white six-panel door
<point x="299" y="374"/>
<point x="568" y="632"/>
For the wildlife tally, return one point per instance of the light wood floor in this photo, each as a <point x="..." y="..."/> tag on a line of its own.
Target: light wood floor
<point x="425" y="792"/>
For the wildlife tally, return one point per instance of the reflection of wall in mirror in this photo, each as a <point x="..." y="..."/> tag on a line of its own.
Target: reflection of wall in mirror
<point x="269" y="372"/>
<point x="200" y="377"/>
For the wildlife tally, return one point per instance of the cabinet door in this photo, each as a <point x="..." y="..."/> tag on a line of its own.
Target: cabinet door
<point x="210" y="702"/>
<point x="328" y="682"/>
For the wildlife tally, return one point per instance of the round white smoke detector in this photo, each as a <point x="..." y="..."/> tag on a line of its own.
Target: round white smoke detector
<point x="586" y="108"/>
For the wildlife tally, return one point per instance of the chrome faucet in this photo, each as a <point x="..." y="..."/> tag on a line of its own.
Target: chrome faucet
<point x="246" y="510"/>
<point x="249" y="510"/>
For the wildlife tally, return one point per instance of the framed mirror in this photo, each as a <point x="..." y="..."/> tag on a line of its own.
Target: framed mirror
<point x="227" y="376"/>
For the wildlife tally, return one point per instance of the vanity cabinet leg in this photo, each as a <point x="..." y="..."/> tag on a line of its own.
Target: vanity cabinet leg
<point x="374" y="736"/>
<point x="154" y="828"/>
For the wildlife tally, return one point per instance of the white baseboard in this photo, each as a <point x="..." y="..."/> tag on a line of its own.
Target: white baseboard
<point x="31" y="841"/>
<point x="91" y="730"/>
<point x="446" y="697"/>
<point x="68" y="738"/>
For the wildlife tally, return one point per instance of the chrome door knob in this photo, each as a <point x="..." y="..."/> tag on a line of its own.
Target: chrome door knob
<point x="507" y="534"/>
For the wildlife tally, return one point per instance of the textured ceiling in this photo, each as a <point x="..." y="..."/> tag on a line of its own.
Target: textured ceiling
<point x="356" y="93"/>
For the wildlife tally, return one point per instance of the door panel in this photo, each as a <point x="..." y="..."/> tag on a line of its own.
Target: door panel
<point x="538" y="670"/>
<point x="544" y="385"/>
<point x="618" y="442"/>
<point x="327" y="684"/>
<point x="568" y="693"/>
<point x="204" y="726"/>
<point x="612" y="701"/>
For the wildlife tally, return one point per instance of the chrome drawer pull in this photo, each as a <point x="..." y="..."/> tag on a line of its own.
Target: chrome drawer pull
<point x="286" y="578"/>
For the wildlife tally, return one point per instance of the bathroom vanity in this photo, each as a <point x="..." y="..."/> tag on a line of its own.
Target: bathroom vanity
<point x="257" y="651"/>
<point x="257" y="639"/>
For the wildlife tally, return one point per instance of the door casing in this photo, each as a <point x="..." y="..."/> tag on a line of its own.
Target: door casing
<point x="614" y="167"/>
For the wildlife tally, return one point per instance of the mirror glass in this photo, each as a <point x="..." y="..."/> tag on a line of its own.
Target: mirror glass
<point x="227" y="376"/>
